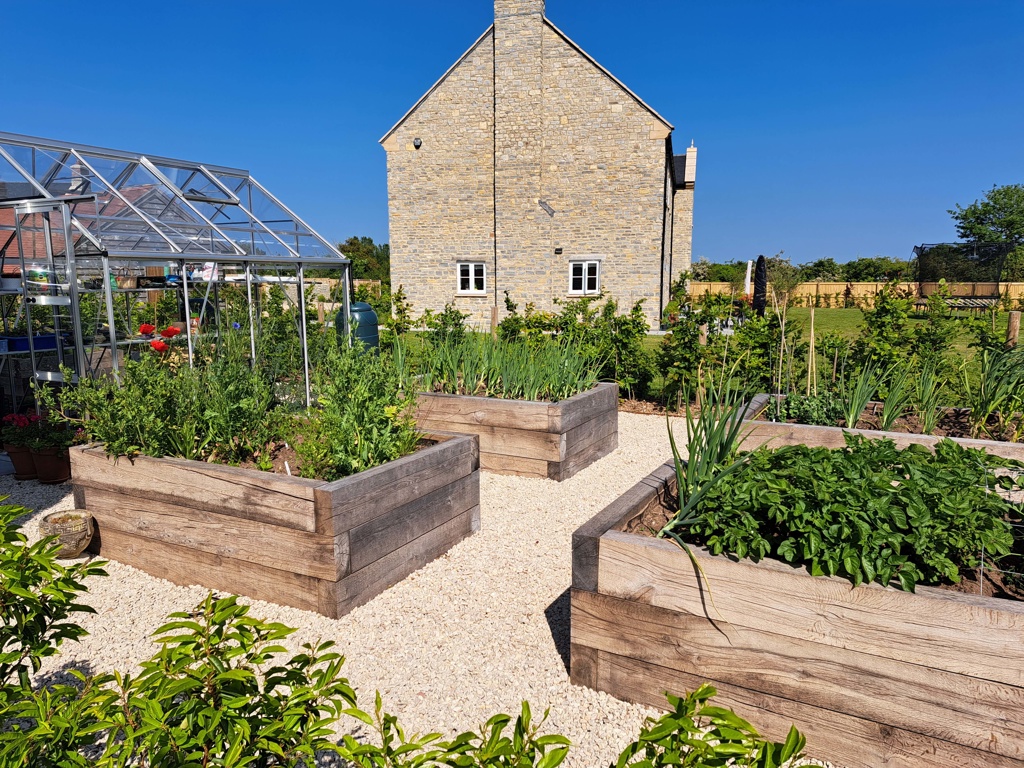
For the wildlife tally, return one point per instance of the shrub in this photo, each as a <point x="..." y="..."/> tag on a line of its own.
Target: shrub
<point x="37" y="598"/>
<point x="597" y="332"/>
<point x="696" y="733"/>
<point x="886" y="337"/>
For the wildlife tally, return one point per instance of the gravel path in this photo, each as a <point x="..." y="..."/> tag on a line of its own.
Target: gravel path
<point x="471" y="634"/>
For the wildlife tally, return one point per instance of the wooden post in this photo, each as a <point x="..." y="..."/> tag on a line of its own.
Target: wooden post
<point x="1012" y="329"/>
<point x="702" y="339"/>
<point x="494" y="321"/>
<point x="812" y="363"/>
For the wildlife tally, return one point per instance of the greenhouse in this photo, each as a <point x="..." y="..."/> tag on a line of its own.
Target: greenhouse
<point x="96" y="242"/>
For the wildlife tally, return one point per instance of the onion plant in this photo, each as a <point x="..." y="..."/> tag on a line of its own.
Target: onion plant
<point x="997" y="397"/>
<point x="927" y="391"/>
<point x="481" y="365"/>
<point x="857" y="392"/>
<point x="713" y="440"/>
<point x="901" y="393"/>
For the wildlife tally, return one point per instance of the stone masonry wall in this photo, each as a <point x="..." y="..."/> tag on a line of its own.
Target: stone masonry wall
<point x="526" y="117"/>
<point x="682" y="237"/>
<point x="440" y="196"/>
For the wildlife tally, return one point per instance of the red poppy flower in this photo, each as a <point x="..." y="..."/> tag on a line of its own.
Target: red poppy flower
<point x="146" y="328"/>
<point x="170" y="332"/>
<point x="159" y="346"/>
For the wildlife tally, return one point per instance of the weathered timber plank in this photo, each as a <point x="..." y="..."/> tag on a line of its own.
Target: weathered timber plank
<point x="583" y="665"/>
<point x="529" y="444"/>
<point x="776" y="435"/>
<point x="977" y="636"/>
<point x="231" y="537"/>
<point x="566" y="414"/>
<point x="581" y="459"/>
<point x="243" y="493"/>
<point x="849" y="741"/>
<point x="352" y="501"/>
<point x="513" y="465"/>
<point x="951" y="707"/>
<point x="366" y="583"/>
<point x="578" y="439"/>
<point x="186" y="566"/>
<point x="585" y="539"/>
<point x="482" y="411"/>
<point x="396" y="528"/>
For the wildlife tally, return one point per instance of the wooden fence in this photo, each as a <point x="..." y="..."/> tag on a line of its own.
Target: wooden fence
<point x="839" y="294"/>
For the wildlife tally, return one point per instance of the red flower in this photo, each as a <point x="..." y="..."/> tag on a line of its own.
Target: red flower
<point x="146" y="328"/>
<point x="159" y="346"/>
<point x="170" y="332"/>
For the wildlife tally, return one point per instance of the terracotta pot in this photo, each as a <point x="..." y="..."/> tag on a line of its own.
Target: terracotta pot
<point x="73" y="530"/>
<point x="21" y="458"/>
<point x="53" y="465"/>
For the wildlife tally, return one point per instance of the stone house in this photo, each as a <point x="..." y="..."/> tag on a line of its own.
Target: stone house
<point x="531" y="169"/>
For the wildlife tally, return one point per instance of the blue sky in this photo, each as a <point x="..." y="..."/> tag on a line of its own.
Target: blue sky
<point x="826" y="128"/>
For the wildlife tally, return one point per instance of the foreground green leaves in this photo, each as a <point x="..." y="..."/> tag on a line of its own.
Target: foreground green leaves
<point x="38" y="598"/>
<point x="218" y="694"/>
<point x="696" y="733"/>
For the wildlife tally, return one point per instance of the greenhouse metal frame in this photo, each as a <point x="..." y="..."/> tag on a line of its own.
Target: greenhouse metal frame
<point x="77" y="219"/>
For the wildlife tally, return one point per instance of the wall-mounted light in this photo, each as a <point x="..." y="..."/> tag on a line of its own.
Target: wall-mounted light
<point x="558" y="251"/>
<point x="417" y="142"/>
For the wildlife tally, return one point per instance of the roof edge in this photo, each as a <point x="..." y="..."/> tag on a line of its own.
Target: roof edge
<point x="436" y="85"/>
<point x="608" y="74"/>
<point x="90" y="149"/>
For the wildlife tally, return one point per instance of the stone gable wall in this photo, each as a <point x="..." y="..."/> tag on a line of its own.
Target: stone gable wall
<point x="549" y="126"/>
<point x="440" y="196"/>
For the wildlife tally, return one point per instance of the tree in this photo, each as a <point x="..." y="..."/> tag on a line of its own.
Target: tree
<point x="822" y="270"/>
<point x="370" y="261"/>
<point x="999" y="218"/>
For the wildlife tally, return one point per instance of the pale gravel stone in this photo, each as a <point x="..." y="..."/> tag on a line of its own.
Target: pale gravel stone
<point x="471" y="634"/>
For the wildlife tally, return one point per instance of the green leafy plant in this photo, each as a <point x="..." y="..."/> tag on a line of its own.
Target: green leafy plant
<point x="867" y="512"/>
<point x="362" y="419"/>
<point x="824" y="408"/>
<point x="698" y="734"/>
<point x="222" y="409"/>
<point x="38" y="596"/>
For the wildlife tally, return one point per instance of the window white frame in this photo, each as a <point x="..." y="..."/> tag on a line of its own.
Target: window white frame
<point x="584" y="277"/>
<point x="471" y="278"/>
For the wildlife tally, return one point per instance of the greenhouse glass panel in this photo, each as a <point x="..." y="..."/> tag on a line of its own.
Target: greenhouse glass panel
<point x="193" y="183"/>
<point x="154" y="206"/>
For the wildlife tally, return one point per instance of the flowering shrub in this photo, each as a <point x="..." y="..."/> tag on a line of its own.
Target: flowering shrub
<point x="19" y="429"/>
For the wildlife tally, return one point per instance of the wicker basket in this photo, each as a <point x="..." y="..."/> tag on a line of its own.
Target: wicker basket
<point x="73" y="530"/>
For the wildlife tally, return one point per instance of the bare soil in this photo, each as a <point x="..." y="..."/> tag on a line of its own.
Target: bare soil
<point x="994" y="583"/>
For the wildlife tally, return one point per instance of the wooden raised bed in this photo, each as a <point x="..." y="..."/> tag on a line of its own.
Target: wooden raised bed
<point x="310" y="544"/>
<point x="873" y="676"/>
<point x="530" y="438"/>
